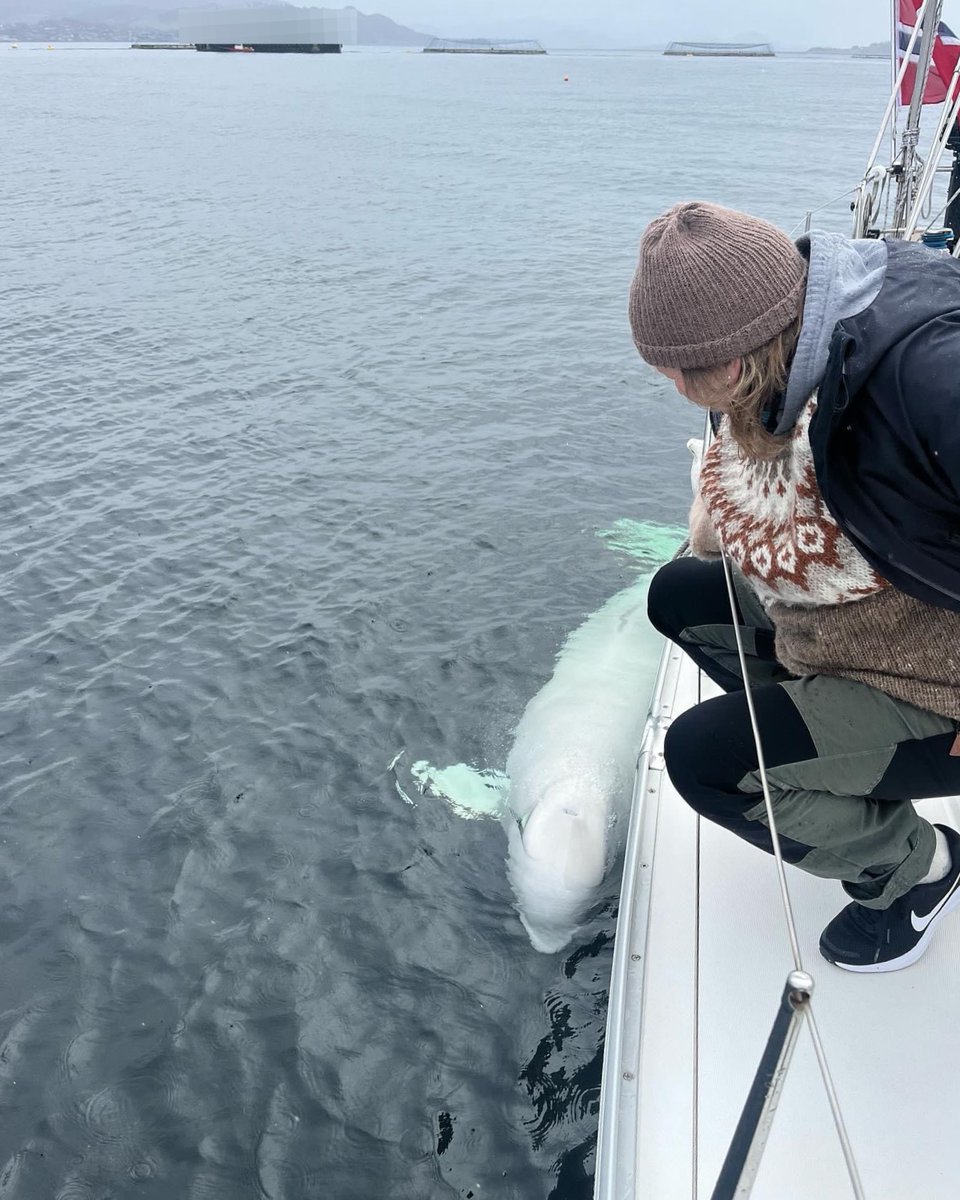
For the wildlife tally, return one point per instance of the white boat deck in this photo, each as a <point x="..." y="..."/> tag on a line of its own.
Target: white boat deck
<point x="699" y="967"/>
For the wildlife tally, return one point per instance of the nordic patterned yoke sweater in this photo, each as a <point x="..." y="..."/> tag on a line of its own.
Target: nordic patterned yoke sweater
<point x="834" y="615"/>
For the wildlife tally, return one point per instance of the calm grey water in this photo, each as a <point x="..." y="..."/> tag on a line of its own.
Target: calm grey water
<point x="315" y="384"/>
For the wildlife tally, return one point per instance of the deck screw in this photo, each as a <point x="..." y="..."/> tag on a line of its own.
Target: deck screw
<point x="635" y="957"/>
<point x="628" y="1074"/>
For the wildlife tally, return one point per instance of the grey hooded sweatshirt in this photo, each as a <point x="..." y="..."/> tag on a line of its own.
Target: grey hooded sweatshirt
<point x="844" y="277"/>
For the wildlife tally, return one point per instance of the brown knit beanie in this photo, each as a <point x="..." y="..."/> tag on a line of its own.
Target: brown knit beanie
<point x="712" y="284"/>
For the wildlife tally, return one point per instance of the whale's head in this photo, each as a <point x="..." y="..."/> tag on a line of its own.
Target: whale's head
<point x="558" y="860"/>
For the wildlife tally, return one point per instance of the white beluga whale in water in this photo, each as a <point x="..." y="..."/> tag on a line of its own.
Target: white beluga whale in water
<point x="569" y="776"/>
<point x="573" y="760"/>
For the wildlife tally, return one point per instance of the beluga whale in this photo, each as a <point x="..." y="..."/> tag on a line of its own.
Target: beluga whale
<point x="564" y="798"/>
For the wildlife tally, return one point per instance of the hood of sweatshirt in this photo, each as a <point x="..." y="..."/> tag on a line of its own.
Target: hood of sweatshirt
<point x="844" y="277"/>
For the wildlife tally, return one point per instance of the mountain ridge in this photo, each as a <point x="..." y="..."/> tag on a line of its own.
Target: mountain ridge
<point x="76" y="21"/>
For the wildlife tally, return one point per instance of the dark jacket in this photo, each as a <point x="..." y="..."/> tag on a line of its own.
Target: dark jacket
<point x="886" y="433"/>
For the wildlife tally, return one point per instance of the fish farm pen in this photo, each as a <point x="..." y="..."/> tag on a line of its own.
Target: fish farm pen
<point x="480" y="46"/>
<point x="720" y="50"/>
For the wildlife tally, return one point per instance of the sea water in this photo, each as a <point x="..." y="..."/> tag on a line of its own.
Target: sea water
<point x="316" y="388"/>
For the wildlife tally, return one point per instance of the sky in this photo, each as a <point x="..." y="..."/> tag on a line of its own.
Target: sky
<point x="642" y="22"/>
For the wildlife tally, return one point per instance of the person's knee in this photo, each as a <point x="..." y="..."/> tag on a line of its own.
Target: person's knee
<point x="658" y="600"/>
<point x="684" y="761"/>
<point x="705" y="760"/>
<point x="665" y="597"/>
<point x="685" y="593"/>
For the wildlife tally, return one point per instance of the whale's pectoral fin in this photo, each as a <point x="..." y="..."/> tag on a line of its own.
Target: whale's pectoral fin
<point x="471" y="792"/>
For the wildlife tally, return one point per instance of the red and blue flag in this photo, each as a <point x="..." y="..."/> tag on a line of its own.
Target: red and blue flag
<point x="946" y="51"/>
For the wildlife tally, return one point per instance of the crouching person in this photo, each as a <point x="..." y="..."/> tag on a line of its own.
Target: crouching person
<point x="833" y="486"/>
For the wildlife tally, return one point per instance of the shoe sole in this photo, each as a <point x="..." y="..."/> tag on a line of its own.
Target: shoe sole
<point x="908" y="959"/>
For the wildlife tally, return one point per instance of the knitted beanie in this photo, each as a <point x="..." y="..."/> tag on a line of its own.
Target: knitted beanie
<point x="712" y="284"/>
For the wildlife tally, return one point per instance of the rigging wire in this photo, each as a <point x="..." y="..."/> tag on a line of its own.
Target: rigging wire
<point x="695" y="1123"/>
<point x="813" y="211"/>
<point x="891" y="108"/>
<point x="894" y="45"/>
<point x="834" y="1099"/>
<point x="828" y="1083"/>
<point x="762" y="769"/>
<point x="923" y="204"/>
<point x="871" y="190"/>
<point x="909" y="176"/>
<point x="942" y="212"/>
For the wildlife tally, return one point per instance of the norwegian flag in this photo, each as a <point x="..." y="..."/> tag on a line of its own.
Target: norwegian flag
<point x="946" y="51"/>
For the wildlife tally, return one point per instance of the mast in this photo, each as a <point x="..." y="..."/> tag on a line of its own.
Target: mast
<point x="911" y="133"/>
<point x="894" y="71"/>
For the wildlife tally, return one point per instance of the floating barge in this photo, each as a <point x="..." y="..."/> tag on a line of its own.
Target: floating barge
<point x="286" y="30"/>
<point x="481" y="46"/>
<point x="162" y="46"/>
<point x="720" y="50"/>
<point x="270" y="47"/>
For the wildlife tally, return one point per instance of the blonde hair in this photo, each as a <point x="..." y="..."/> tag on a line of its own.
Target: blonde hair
<point x="763" y="377"/>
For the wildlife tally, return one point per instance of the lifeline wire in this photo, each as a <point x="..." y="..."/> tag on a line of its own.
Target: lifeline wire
<point x="828" y="1084"/>
<point x="695" y="1116"/>
<point x="942" y="212"/>
<point x="695" y="1122"/>
<point x="762" y="768"/>
<point x="813" y="211"/>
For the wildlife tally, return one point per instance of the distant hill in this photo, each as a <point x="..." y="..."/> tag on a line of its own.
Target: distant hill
<point x="80" y="29"/>
<point x="875" y="48"/>
<point x="376" y="30"/>
<point x="80" y="21"/>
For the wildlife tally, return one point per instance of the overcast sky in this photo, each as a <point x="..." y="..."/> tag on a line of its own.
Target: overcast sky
<point x="800" y="23"/>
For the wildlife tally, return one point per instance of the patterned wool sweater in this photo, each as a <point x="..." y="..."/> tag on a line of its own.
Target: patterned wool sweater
<point x="834" y="615"/>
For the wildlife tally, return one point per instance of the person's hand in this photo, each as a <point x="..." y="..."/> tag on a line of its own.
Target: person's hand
<point x="704" y="542"/>
<point x="695" y="446"/>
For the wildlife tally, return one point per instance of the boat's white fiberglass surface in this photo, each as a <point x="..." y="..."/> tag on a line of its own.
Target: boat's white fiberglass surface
<point x="699" y="967"/>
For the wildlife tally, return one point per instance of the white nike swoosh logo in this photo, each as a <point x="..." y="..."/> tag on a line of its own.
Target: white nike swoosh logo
<point x="920" y="923"/>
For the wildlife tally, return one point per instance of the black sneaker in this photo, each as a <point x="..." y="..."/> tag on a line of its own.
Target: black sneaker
<point x="889" y="939"/>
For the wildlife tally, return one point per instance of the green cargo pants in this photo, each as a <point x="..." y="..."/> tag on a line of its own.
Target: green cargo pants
<point x="844" y="761"/>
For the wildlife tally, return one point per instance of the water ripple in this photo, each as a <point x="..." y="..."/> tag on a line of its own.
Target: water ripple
<point x="317" y="384"/>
